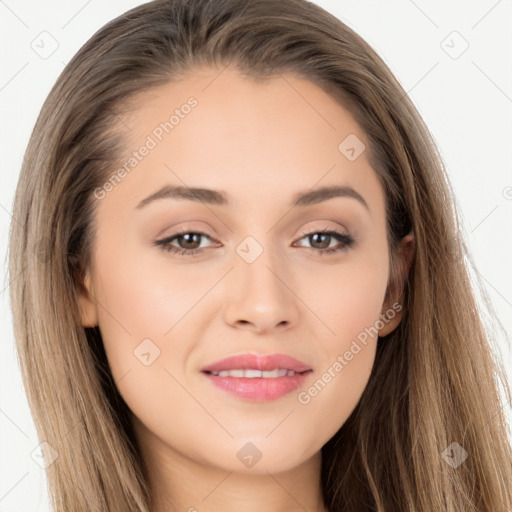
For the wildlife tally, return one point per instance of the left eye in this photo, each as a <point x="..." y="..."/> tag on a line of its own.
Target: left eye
<point x="192" y="239"/>
<point x="189" y="237"/>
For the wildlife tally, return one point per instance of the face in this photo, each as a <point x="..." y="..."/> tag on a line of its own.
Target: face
<point x="179" y="283"/>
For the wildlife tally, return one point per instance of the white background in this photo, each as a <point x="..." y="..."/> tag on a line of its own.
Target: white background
<point x="465" y="101"/>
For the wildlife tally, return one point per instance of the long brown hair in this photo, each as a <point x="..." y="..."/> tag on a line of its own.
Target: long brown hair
<point x="435" y="379"/>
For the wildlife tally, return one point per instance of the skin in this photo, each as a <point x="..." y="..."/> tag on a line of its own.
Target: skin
<point x="261" y="142"/>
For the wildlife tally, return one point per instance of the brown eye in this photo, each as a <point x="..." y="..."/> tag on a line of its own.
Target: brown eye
<point x="321" y="240"/>
<point x="188" y="242"/>
<point x="191" y="240"/>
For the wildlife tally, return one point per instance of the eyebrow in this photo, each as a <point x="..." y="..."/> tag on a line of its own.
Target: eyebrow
<point x="220" y="197"/>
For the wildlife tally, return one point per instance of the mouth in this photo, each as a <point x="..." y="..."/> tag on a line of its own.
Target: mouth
<point x="258" y="377"/>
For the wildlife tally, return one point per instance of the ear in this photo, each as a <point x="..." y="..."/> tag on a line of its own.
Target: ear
<point x="405" y="252"/>
<point x="87" y="304"/>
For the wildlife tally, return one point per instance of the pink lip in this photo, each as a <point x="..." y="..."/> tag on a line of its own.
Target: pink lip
<point x="258" y="389"/>
<point x="258" y="362"/>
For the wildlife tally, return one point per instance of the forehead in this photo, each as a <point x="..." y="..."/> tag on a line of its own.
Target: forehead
<point x="239" y="98"/>
<point x="219" y="129"/>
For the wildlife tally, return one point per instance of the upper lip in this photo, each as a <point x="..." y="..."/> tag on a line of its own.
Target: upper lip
<point x="265" y="362"/>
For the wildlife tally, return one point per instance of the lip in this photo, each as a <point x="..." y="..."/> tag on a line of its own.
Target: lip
<point x="258" y="389"/>
<point x="258" y="362"/>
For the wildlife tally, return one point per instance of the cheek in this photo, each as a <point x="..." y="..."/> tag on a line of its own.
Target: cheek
<point x="137" y="307"/>
<point x="350" y="307"/>
<point x="142" y="299"/>
<point x="348" y="299"/>
<point x="143" y="348"/>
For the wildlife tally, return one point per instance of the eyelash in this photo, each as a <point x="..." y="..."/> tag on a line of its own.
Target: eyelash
<point x="346" y="240"/>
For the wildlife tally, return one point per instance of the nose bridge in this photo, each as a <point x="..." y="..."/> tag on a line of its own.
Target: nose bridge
<point x="261" y="264"/>
<point x="262" y="295"/>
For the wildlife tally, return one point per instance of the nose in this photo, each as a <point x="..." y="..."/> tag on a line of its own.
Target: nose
<point x="261" y="297"/>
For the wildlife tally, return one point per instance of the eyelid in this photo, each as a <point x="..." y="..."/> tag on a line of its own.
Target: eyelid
<point x="187" y="229"/>
<point x="325" y="229"/>
<point x="342" y="235"/>
<point x="303" y="233"/>
<point x="181" y="231"/>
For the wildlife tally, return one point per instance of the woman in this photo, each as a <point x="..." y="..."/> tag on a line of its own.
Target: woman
<point x="255" y="371"/>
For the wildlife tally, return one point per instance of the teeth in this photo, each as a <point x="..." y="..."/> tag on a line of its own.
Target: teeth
<point x="253" y="374"/>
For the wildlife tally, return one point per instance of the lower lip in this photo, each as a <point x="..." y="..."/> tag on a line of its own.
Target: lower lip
<point x="259" y="389"/>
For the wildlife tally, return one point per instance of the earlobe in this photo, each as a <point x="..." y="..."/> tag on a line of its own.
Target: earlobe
<point x="392" y="319"/>
<point x="87" y="305"/>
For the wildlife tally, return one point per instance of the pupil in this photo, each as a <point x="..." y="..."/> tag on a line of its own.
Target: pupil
<point x="188" y="236"/>
<point x="322" y="235"/>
